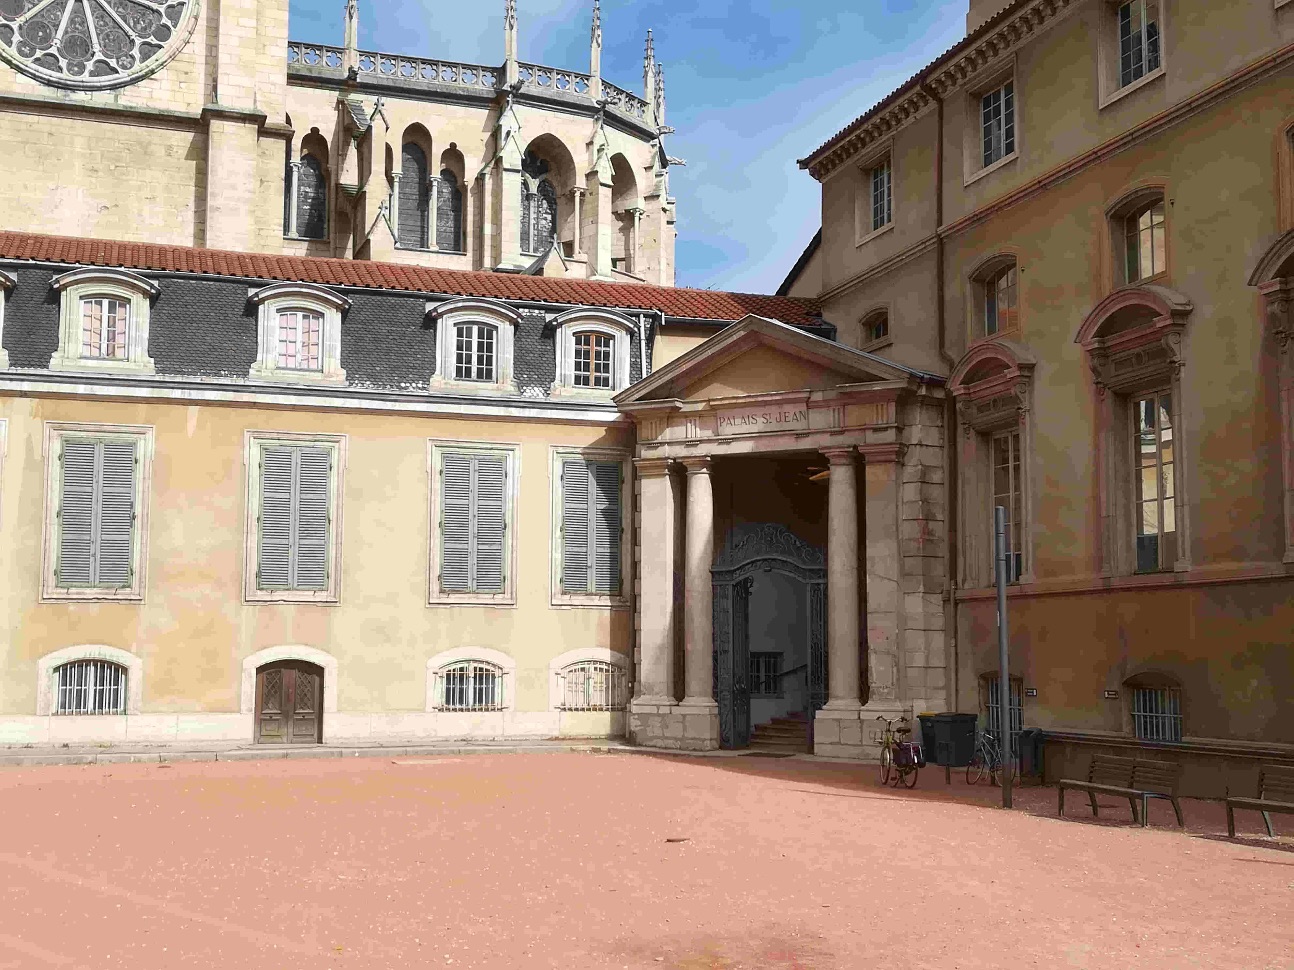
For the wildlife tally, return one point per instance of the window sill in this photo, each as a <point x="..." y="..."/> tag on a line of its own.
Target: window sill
<point x="990" y="169"/>
<point x="1009" y="332"/>
<point x="273" y="376"/>
<point x="430" y="251"/>
<point x="297" y="596"/>
<point x="96" y="365"/>
<point x="575" y="601"/>
<point x="1136" y="85"/>
<point x="585" y="393"/>
<point x="448" y="385"/>
<point x="305" y="239"/>
<point x="879" y="344"/>
<point x="92" y="596"/>
<point x="1157" y="278"/>
<point x="863" y="240"/>
<point x="501" y="601"/>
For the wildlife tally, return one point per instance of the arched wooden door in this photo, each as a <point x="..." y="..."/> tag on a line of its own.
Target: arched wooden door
<point x="289" y="703"/>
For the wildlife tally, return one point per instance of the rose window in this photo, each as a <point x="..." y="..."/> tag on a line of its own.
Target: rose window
<point x="93" y="43"/>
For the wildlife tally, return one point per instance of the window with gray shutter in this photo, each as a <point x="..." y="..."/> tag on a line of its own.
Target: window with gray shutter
<point x="295" y="518"/>
<point x="591" y="527"/>
<point x="96" y="514"/>
<point x="473" y="522"/>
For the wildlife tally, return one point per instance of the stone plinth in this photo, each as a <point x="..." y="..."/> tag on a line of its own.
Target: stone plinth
<point x="682" y="727"/>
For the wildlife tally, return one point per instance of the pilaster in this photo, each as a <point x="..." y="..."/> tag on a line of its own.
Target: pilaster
<point x="1278" y="297"/>
<point x="599" y="223"/>
<point x="698" y="617"/>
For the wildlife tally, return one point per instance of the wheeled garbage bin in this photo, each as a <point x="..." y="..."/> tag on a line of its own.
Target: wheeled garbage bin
<point x="949" y="739"/>
<point x="1031" y="752"/>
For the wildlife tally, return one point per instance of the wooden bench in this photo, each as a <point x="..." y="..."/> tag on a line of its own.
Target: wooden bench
<point x="1275" y="794"/>
<point x="1134" y="780"/>
<point x="1105" y="776"/>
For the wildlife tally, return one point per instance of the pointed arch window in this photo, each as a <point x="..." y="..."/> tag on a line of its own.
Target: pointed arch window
<point x="312" y="198"/>
<point x="449" y="213"/>
<point x="414" y="199"/>
<point x="538" y="216"/>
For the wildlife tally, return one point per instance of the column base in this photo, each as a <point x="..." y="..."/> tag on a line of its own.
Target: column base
<point x="690" y="726"/>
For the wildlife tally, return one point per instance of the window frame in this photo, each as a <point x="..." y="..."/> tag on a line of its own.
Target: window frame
<point x="866" y="323"/>
<point x="55" y="432"/>
<point x="130" y="288"/>
<point x="1128" y="231"/>
<point x="557" y="596"/>
<point x="991" y="78"/>
<point x="7" y="283"/>
<point x="606" y="323"/>
<point x="478" y="328"/>
<point x="278" y="298"/>
<point x="864" y="228"/>
<point x="47" y="666"/>
<point x="558" y="665"/>
<point x="1175" y="697"/>
<point x="981" y="276"/>
<point x="254" y="443"/>
<point x="1110" y="86"/>
<point x="506" y="665"/>
<point x="1156" y="395"/>
<point x="1015" y="498"/>
<point x="437" y="448"/>
<point x="446" y="317"/>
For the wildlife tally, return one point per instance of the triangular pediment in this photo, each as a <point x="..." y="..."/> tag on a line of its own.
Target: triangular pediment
<point x="758" y="356"/>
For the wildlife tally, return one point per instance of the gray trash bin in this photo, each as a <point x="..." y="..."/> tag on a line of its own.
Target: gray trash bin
<point x="951" y="741"/>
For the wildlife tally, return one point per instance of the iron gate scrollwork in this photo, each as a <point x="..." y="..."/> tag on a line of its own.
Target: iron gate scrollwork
<point x="753" y="549"/>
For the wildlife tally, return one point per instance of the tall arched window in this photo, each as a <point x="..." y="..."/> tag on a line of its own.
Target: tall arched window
<point x="1138" y="236"/>
<point x="538" y="216"/>
<point x="312" y="198"/>
<point x="415" y="197"/>
<point x="449" y="214"/>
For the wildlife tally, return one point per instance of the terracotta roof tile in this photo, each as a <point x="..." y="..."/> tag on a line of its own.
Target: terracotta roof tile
<point x="674" y="302"/>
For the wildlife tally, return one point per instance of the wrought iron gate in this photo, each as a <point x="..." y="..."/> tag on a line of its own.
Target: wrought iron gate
<point x="752" y="549"/>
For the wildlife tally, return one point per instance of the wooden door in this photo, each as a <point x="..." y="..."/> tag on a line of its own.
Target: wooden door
<point x="289" y="703"/>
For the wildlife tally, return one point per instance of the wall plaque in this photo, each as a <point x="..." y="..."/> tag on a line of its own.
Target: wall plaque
<point x="763" y="418"/>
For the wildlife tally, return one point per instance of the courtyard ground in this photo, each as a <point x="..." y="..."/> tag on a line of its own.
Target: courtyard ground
<point x="611" y="860"/>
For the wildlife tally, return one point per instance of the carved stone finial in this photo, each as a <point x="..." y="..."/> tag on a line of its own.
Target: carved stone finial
<point x="649" y="69"/>
<point x="510" y="14"/>
<point x="351" y="57"/>
<point x="660" y="94"/>
<point x="597" y="23"/>
<point x="511" y="72"/>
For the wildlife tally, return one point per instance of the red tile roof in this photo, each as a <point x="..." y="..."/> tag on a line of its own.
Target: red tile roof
<point x="674" y="302"/>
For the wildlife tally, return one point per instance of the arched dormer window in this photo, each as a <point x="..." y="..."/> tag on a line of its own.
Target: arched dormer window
<point x="993" y="388"/>
<point x="995" y="297"/>
<point x="1135" y="342"/>
<point x="7" y="283"/>
<point x="593" y="352"/>
<point x="875" y="329"/>
<point x="474" y="340"/>
<point x="299" y="328"/>
<point x="104" y="316"/>
<point x="1138" y="236"/>
<point x="1274" y="278"/>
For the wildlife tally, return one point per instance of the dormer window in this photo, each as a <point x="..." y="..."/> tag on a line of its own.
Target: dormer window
<point x="593" y="352"/>
<point x="474" y="341"/>
<point x="300" y="334"/>
<point x="474" y="356"/>
<point x="104" y="316"/>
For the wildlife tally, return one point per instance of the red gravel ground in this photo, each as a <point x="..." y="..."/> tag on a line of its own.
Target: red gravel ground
<point x="565" y="860"/>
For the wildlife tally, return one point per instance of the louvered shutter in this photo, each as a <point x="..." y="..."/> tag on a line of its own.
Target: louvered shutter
<point x="575" y="526"/>
<point x="274" y="569"/>
<point x="116" y="526"/>
<point x="76" y="514"/>
<point x="490" y="506"/>
<point x="456" y="523"/>
<point x="310" y="560"/>
<point x="606" y="521"/>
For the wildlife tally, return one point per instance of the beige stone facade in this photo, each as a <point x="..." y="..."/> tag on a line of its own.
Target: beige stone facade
<point x="1121" y="241"/>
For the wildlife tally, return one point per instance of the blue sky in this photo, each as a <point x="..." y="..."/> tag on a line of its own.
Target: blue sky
<point x="750" y="87"/>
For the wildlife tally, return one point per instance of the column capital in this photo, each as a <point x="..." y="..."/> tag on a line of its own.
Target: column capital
<point x="578" y="190"/>
<point x="881" y="454"/>
<point x="652" y="467"/>
<point x="843" y="455"/>
<point x="697" y="465"/>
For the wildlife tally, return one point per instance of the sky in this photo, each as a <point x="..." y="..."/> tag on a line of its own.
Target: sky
<point x="750" y="87"/>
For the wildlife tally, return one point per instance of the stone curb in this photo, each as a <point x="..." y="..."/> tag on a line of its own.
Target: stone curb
<point x="109" y="757"/>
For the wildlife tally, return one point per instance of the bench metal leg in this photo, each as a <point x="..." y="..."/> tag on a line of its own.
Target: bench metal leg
<point x="1231" y="822"/>
<point x="1091" y="797"/>
<point x="1271" y="833"/>
<point x="1177" y="810"/>
<point x="1132" y="804"/>
<point x="1145" y="811"/>
<point x="1060" y="804"/>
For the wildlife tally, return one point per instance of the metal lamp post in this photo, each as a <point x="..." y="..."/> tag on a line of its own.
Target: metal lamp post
<point x="1004" y="682"/>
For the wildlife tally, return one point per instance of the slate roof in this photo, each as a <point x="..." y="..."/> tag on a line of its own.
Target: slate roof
<point x="679" y="303"/>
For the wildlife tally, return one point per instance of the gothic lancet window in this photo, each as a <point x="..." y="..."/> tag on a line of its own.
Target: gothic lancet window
<point x="312" y="199"/>
<point x="415" y="197"/>
<point x="538" y="205"/>
<point x="449" y="214"/>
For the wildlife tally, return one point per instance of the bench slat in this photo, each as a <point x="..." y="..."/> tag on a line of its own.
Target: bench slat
<point x="1261" y="804"/>
<point x="1276" y="782"/>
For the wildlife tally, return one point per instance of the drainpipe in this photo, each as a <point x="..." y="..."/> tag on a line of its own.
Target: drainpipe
<point x="950" y="409"/>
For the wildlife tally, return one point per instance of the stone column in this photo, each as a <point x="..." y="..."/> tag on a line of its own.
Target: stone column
<point x="577" y="196"/>
<point x="633" y="240"/>
<point x="884" y="579"/>
<point x="433" y="204"/>
<point x="698" y="617"/>
<point x="656" y="587"/>
<point x="294" y="198"/>
<point x="394" y="211"/>
<point x="842" y="581"/>
<point x="598" y="224"/>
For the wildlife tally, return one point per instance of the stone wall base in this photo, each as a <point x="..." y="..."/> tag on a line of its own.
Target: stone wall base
<point x="676" y="726"/>
<point x="854" y="733"/>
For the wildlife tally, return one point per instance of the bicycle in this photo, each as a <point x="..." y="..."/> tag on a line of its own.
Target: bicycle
<point x="900" y="760"/>
<point x="987" y="761"/>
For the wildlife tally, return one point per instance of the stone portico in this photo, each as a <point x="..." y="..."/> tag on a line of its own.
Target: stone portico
<point x="761" y="388"/>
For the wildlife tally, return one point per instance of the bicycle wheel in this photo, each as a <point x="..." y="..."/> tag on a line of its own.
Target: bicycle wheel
<point x="909" y="777"/>
<point x="887" y="764"/>
<point x="976" y="769"/>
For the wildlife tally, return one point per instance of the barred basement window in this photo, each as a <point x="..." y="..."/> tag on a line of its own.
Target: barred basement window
<point x="474" y="352"/>
<point x="766" y="675"/>
<point x="994" y="711"/>
<point x="593" y="367"/>
<point x="105" y="325"/>
<point x="299" y="333"/>
<point x="594" y="685"/>
<point x="1157" y="713"/>
<point x="472" y="685"/>
<point x="90" y="687"/>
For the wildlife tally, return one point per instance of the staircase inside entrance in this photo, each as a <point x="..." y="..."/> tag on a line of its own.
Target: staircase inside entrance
<point x="782" y="735"/>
